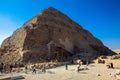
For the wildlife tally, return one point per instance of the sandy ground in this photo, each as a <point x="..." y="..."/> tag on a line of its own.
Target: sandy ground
<point x="95" y="72"/>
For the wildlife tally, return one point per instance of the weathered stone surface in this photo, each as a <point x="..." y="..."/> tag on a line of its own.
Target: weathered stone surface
<point x="50" y="35"/>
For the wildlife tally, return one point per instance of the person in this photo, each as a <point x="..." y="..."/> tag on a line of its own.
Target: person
<point x="66" y="66"/>
<point x="34" y="69"/>
<point x="26" y="68"/>
<point x="1" y="67"/>
<point x="43" y="69"/>
<point x="111" y="65"/>
<point x="87" y="62"/>
<point x="80" y="63"/>
<point x="108" y="65"/>
<point x="78" y="68"/>
<point x="11" y="67"/>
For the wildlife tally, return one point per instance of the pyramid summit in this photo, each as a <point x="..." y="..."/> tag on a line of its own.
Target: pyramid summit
<point x="50" y="35"/>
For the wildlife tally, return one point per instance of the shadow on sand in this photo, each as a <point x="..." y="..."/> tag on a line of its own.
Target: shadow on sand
<point x="116" y="67"/>
<point x="92" y="65"/>
<point x="83" y="72"/>
<point x="50" y="72"/>
<point x="14" y="78"/>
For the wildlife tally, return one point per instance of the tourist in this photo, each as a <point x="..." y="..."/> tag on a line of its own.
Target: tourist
<point x="34" y="69"/>
<point x="66" y="66"/>
<point x="26" y="68"/>
<point x="111" y="65"/>
<point x="11" y="67"/>
<point x="1" y="67"/>
<point x="43" y="68"/>
<point x="78" y="68"/>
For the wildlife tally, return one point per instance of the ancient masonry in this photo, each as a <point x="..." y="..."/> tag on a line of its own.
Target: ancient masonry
<point x="50" y="35"/>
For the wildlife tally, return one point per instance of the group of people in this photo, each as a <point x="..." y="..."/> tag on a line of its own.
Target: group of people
<point x="34" y="69"/>
<point x="79" y="65"/>
<point x="4" y="68"/>
<point x="110" y="65"/>
<point x="101" y="61"/>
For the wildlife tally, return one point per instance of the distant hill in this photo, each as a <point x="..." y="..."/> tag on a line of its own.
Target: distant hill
<point x="117" y="50"/>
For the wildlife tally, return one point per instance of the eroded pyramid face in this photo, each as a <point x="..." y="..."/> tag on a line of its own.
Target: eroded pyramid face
<point x="50" y="35"/>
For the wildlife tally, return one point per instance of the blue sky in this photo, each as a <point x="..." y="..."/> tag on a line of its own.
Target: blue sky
<point x="100" y="17"/>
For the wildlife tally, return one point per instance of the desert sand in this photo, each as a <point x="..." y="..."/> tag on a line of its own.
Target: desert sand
<point x="96" y="72"/>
